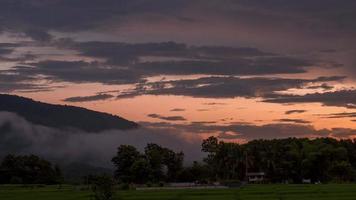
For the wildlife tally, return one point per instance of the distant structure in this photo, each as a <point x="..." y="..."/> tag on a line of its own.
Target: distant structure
<point x="306" y="181"/>
<point x="256" y="177"/>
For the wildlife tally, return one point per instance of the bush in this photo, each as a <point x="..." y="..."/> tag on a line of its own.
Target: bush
<point x="16" y="180"/>
<point x="149" y="184"/>
<point x="124" y="186"/>
<point x="232" y="183"/>
<point x="161" y="184"/>
<point x="103" y="188"/>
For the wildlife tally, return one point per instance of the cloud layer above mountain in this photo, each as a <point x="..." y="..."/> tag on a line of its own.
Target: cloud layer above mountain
<point x="263" y="62"/>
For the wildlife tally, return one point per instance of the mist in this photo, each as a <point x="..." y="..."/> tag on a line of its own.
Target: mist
<point x="65" y="146"/>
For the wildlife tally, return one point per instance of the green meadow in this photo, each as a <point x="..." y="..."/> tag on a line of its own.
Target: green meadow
<point x="251" y="192"/>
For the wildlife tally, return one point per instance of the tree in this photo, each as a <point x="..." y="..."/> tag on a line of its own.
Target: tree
<point x="103" y="187"/>
<point x="28" y="170"/>
<point x="155" y="155"/>
<point x="342" y="171"/>
<point x="140" y="170"/>
<point x="291" y="159"/>
<point x="224" y="159"/>
<point x="155" y="165"/>
<point x="125" y="157"/>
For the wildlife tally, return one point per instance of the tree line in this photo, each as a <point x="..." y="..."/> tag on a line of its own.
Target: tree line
<point x="18" y="169"/>
<point x="282" y="160"/>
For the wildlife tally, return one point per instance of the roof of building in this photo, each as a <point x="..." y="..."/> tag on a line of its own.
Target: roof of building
<point x="256" y="174"/>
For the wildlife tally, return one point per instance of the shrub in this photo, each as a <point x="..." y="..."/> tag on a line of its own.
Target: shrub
<point x="103" y="188"/>
<point x="124" y="186"/>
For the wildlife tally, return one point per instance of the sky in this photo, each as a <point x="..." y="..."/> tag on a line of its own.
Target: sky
<point x="236" y="69"/>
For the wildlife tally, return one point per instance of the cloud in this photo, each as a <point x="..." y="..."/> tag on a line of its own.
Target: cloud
<point x="78" y="72"/>
<point x="214" y="103"/>
<point x="340" y="115"/>
<point x="297" y="121"/>
<point x="341" y="98"/>
<point x="19" y="136"/>
<point x="126" y="63"/>
<point x="223" y="87"/>
<point x="177" y="110"/>
<point x="15" y="82"/>
<point x="72" y="15"/>
<point x="38" y="35"/>
<point x="343" y="133"/>
<point x="248" y="132"/>
<point x="289" y="112"/>
<point x="36" y="18"/>
<point x="167" y="118"/>
<point x="323" y="86"/>
<point x="6" y="49"/>
<point x="181" y="59"/>
<point x="97" y="97"/>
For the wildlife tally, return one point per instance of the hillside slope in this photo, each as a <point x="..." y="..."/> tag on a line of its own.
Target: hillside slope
<point x="59" y="116"/>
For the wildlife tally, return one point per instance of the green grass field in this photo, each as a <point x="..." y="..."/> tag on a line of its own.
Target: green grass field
<point x="252" y="192"/>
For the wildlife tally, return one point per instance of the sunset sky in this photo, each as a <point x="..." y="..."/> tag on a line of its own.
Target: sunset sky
<point x="238" y="69"/>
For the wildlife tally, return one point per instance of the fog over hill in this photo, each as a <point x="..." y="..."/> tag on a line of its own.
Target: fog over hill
<point x="65" y="146"/>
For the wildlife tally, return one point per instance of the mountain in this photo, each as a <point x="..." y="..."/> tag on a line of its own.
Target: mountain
<point x="63" y="116"/>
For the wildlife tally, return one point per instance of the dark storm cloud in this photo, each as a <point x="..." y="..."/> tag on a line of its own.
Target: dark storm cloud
<point x="78" y="72"/>
<point x="74" y="15"/>
<point x="318" y="17"/>
<point x="16" y="82"/>
<point x="182" y="59"/>
<point x="71" y="15"/>
<point x="167" y="118"/>
<point x="6" y="87"/>
<point x="342" y="98"/>
<point x="222" y="87"/>
<point x="289" y="112"/>
<point x="110" y="50"/>
<point x="258" y="66"/>
<point x="4" y="51"/>
<point x="131" y="63"/>
<point x="128" y="63"/>
<point x="38" y="35"/>
<point x="97" y="97"/>
<point x="7" y="48"/>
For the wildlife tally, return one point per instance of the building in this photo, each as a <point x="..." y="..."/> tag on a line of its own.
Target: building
<point x="257" y="177"/>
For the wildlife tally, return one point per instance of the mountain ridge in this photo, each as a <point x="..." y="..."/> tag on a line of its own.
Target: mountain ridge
<point x="63" y="116"/>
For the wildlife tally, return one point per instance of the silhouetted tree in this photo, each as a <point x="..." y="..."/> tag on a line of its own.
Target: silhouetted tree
<point x="28" y="170"/>
<point x="125" y="157"/>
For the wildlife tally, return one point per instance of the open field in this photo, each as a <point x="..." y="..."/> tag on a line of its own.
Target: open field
<point x="252" y="192"/>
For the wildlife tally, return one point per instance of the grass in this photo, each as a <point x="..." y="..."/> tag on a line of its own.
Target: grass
<point x="251" y="192"/>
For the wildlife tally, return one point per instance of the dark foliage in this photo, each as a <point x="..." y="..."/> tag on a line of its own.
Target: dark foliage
<point x="59" y="116"/>
<point x="28" y="170"/>
<point x="103" y="187"/>
<point x="283" y="160"/>
<point x="78" y="173"/>
<point x="154" y="165"/>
